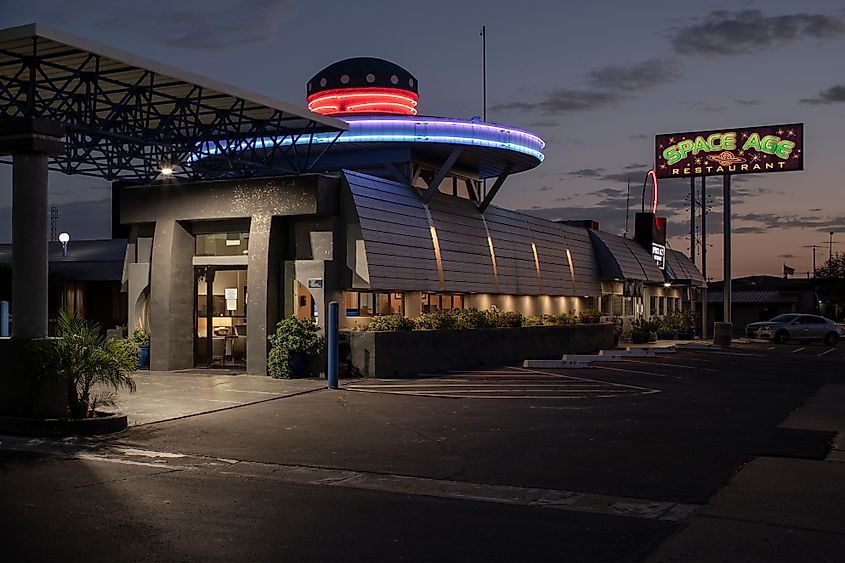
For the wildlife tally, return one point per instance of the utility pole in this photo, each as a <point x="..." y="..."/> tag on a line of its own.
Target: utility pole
<point x="484" y="91"/>
<point x="830" y="248"/>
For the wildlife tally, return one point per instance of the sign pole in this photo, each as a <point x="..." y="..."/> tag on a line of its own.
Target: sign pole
<point x="704" y="326"/>
<point x="726" y="230"/>
<point x="692" y="218"/>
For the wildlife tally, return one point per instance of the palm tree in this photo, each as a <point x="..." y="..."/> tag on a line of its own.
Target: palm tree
<point x="91" y="367"/>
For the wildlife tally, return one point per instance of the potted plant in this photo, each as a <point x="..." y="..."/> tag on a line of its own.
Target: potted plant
<point x="668" y="328"/>
<point x="293" y="343"/>
<point x="91" y="367"/>
<point x="688" y="319"/>
<point x="639" y="331"/>
<point x="618" y="329"/>
<point x="142" y="339"/>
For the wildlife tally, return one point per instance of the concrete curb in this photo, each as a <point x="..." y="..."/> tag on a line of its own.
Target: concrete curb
<point x="61" y="427"/>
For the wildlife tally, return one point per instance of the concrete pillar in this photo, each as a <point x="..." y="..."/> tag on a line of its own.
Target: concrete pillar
<point x="264" y="271"/>
<point x="172" y="297"/>
<point x="29" y="250"/>
<point x="30" y="141"/>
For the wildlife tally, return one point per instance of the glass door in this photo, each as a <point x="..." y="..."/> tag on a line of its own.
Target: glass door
<point x="220" y="326"/>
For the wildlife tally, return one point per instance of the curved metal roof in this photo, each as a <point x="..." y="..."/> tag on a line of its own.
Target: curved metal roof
<point x="125" y="116"/>
<point x="623" y="258"/>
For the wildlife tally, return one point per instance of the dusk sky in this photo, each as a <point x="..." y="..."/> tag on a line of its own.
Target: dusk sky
<point x="596" y="80"/>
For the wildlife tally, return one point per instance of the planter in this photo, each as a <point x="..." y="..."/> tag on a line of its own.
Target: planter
<point x="667" y="334"/>
<point x="298" y="364"/>
<point x="397" y="353"/>
<point x="144" y="357"/>
<point x="686" y="333"/>
<point x="639" y="337"/>
<point x="103" y="423"/>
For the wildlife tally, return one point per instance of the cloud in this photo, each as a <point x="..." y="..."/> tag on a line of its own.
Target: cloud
<point x="645" y="74"/>
<point x="702" y="106"/>
<point x="747" y="102"/>
<point x="563" y="100"/>
<point x="723" y="32"/>
<point x="607" y="86"/>
<point x="545" y="188"/>
<point x="587" y="172"/>
<point x="194" y="24"/>
<point x="834" y="94"/>
<point x="635" y="166"/>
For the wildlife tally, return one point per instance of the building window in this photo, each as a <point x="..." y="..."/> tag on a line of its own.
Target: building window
<point x="370" y="303"/>
<point x="437" y="301"/>
<point x="222" y="244"/>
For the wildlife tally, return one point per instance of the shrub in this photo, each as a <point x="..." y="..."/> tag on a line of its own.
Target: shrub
<point x="533" y="321"/>
<point x="131" y="348"/>
<point x="435" y="320"/>
<point x="569" y="318"/>
<point x="293" y="336"/>
<point x="589" y="316"/>
<point x="141" y="337"/>
<point x="498" y="318"/>
<point x="388" y="322"/>
<point x="81" y="358"/>
<point x="472" y="318"/>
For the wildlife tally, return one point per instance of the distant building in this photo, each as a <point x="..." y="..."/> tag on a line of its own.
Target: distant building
<point x="759" y="298"/>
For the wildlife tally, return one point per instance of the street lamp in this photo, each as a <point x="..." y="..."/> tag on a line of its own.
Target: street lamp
<point x="64" y="238"/>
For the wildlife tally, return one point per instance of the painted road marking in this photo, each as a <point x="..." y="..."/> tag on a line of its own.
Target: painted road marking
<point x="547" y="499"/>
<point x="669" y="365"/>
<point x="509" y="383"/>
<point x="798" y="349"/>
<point x="828" y="351"/>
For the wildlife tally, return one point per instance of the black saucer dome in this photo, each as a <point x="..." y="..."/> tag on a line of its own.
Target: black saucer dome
<point x="362" y="72"/>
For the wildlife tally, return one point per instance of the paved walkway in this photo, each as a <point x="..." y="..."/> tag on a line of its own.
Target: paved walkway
<point x="165" y="395"/>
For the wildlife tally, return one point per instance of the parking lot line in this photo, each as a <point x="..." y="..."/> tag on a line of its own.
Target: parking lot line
<point x="798" y="349"/>
<point x="642" y="372"/>
<point x="828" y="351"/>
<point x="591" y="380"/>
<point x="628" y="360"/>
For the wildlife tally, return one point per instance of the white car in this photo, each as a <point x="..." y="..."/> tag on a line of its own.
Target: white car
<point x="796" y="326"/>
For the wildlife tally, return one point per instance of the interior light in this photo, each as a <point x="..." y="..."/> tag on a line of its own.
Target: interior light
<point x="64" y="238"/>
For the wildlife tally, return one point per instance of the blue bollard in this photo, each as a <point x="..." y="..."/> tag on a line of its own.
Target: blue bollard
<point x="4" y="318"/>
<point x="331" y="343"/>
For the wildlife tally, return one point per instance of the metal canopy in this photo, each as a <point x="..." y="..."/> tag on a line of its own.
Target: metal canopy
<point x="127" y="117"/>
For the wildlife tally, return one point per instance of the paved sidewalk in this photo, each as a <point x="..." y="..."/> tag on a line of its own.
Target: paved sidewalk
<point x="776" y="509"/>
<point x="166" y="395"/>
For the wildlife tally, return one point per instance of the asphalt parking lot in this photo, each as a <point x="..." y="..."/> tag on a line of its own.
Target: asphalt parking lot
<point x="661" y="458"/>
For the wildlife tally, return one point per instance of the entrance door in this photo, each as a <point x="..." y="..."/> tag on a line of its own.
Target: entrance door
<point x="220" y="320"/>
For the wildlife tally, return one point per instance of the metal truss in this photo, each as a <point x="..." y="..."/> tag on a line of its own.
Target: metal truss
<point x="128" y="123"/>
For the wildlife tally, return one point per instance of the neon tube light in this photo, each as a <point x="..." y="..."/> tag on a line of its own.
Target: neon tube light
<point x="352" y="100"/>
<point x="399" y="130"/>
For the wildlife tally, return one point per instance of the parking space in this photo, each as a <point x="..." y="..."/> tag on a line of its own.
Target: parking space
<point x="508" y="382"/>
<point x="793" y="347"/>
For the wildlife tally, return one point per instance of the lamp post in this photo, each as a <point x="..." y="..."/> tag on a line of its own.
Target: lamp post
<point x="64" y="238"/>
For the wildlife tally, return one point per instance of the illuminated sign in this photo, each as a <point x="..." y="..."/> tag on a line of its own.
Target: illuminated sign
<point x="658" y="252"/>
<point x="750" y="150"/>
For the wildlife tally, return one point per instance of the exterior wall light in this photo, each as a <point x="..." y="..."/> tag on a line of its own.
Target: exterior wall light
<point x="167" y="171"/>
<point x="64" y="238"/>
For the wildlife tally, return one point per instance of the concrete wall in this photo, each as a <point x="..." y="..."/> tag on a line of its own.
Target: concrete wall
<point x="174" y="207"/>
<point x="392" y="354"/>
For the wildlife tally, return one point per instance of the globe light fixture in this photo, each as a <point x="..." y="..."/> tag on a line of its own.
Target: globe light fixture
<point x="64" y="238"/>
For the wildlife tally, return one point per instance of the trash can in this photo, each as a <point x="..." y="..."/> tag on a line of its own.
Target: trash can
<point x="144" y="357"/>
<point x="722" y="334"/>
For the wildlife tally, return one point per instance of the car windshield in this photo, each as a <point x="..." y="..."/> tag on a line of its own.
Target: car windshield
<point x="783" y="319"/>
